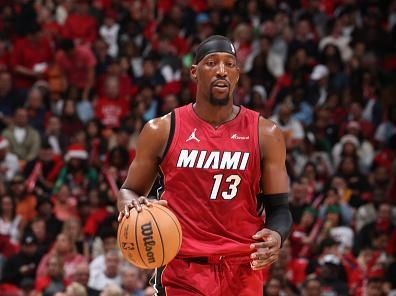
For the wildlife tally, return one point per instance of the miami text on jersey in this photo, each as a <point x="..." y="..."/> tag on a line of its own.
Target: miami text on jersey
<point x="224" y="160"/>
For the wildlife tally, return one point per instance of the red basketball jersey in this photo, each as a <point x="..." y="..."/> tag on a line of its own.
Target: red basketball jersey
<point x="211" y="178"/>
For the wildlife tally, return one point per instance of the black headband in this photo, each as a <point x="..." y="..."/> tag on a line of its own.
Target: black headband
<point x="214" y="44"/>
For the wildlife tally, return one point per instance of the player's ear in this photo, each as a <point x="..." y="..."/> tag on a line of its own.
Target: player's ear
<point x="239" y="72"/>
<point x="193" y="73"/>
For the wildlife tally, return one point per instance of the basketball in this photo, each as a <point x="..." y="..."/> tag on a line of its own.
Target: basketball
<point x="151" y="238"/>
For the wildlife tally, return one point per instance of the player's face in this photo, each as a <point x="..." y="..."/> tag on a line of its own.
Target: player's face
<point x="216" y="75"/>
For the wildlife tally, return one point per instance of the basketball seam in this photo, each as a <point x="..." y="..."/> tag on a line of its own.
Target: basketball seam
<point x="177" y="226"/>
<point x="136" y="240"/>
<point x="162" y="243"/>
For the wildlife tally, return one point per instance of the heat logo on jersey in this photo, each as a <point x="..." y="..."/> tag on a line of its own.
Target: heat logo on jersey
<point x="202" y="159"/>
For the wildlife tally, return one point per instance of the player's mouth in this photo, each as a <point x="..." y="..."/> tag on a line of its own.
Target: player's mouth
<point x="221" y="85"/>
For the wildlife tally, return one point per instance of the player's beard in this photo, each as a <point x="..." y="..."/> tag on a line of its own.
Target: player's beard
<point x="215" y="101"/>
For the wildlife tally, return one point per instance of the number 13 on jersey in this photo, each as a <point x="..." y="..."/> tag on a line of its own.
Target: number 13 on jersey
<point x="232" y="181"/>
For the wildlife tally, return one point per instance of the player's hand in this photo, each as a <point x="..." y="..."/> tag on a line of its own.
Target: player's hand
<point x="267" y="249"/>
<point x="137" y="203"/>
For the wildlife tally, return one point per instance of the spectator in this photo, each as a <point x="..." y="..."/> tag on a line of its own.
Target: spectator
<point x="64" y="247"/>
<point x="111" y="290"/>
<point x="41" y="171"/>
<point x="65" y="205"/>
<point x="78" y="64"/>
<point x="382" y="224"/>
<point x="106" y="241"/>
<point x="110" y="275"/>
<point x="72" y="227"/>
<point x="349" y="145"/>
<point x="9" y="165"/>
<point x="25" y="201"/>
<point x="318" y="91"/>
<point x="76" y="173"/>
<point x="9" y="99"/>
<point x="5" y="59"/>
<point x="23" y="265"/>
<point x="300" y="235"/>
<point x="80" y="26"/>
<point x="111" y="109"/>
<point x="291" y="128"/>
<point x="45" y="211"/>
<point x="109" y="31"/>
<point x="53" y="134"/>
<point x="69" y="115"/>
<point x="311" y="287"/>
<point x="10" y="222"/>
<point x="38" y="228"/>
<point x="23" y="139"/>
<point x="31" y="57"/>
<point x="386" y="129"/>
<point x="259" y="69"/>
<point x="336" y="37"/>
<point x="332" y="197"/>
<point x="357" y="182"/>
<point x="298" y="200"/>
<point x="130" y="281"/>
<point x="76" y="289"/>
<point x="36" y="109"/>
<point x="53" y="281"/>
<point x="330" y="277"/>
<point x="81" y="276"/>
<point x="273" y="288"/>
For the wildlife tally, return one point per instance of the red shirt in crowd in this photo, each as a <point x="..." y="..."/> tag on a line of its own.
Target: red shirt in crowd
<point x="357" y="274"/>
<point x="80" y="27"/>
<point x="28" y="53"/>
<point x="51" y="29"/>
<point x="76" y="65"/>
<point x="126" y="87"/>
<point x="5" y="61"/>
<point x="111" y="111"/>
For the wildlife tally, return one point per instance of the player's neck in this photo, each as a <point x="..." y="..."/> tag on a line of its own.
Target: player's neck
<point x="215" y="115"/>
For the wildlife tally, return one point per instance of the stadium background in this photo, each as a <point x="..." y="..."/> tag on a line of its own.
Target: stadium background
<point x="79" y="78"/>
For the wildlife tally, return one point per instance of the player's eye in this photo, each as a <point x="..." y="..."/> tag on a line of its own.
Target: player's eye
<point x="210" y="63"/>
<point x="230" y="64"/>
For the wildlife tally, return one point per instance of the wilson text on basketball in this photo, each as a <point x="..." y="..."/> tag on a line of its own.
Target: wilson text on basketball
<point x="149" y="243"/>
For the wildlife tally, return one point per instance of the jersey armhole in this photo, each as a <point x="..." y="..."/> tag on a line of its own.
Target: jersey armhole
<point x="258" y="144"/>
<point x="170" y="137"/>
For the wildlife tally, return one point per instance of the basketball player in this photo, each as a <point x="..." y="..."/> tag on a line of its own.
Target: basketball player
<point x="215" y="159"/>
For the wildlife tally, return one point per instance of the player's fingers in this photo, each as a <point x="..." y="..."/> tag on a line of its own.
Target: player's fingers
<point x="261" y="245"/>
<point x="136" y="204"/>
<point x="126" y="211"/>
<point x="144" y="201"/>
<point x="262" y="233"/>
<point x="161" y="202"/>
<point x="261" y="254"/>
<point x="120" y="215"/>
<point x="259" y="264"/>
<point x="270" y="243"/>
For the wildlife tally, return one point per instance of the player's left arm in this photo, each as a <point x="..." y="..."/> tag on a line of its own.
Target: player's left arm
<point x="274" y="191"/>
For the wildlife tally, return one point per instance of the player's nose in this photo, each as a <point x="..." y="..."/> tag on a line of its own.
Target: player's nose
<point x="221" y="70"/>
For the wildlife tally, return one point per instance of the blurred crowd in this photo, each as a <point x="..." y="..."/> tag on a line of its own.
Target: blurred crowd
<point x="79" y="79"/>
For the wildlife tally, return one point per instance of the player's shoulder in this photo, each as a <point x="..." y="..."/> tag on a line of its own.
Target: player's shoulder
<point x="158" y="125"/>
<point x="154" y="135"/>
<point x="268" y="128"/>
<point x="271" y="138"/>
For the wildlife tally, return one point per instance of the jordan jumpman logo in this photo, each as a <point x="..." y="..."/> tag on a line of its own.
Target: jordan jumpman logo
<point x="193" y="136"/>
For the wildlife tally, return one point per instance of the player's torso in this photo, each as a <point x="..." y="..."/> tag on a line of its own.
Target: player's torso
<point x="211" y="178"/>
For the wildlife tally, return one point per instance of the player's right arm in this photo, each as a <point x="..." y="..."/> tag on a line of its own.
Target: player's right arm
<point x="144" y="168"/>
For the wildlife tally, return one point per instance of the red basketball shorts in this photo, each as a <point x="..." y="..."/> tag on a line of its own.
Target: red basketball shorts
<point x="209" y="276"/>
